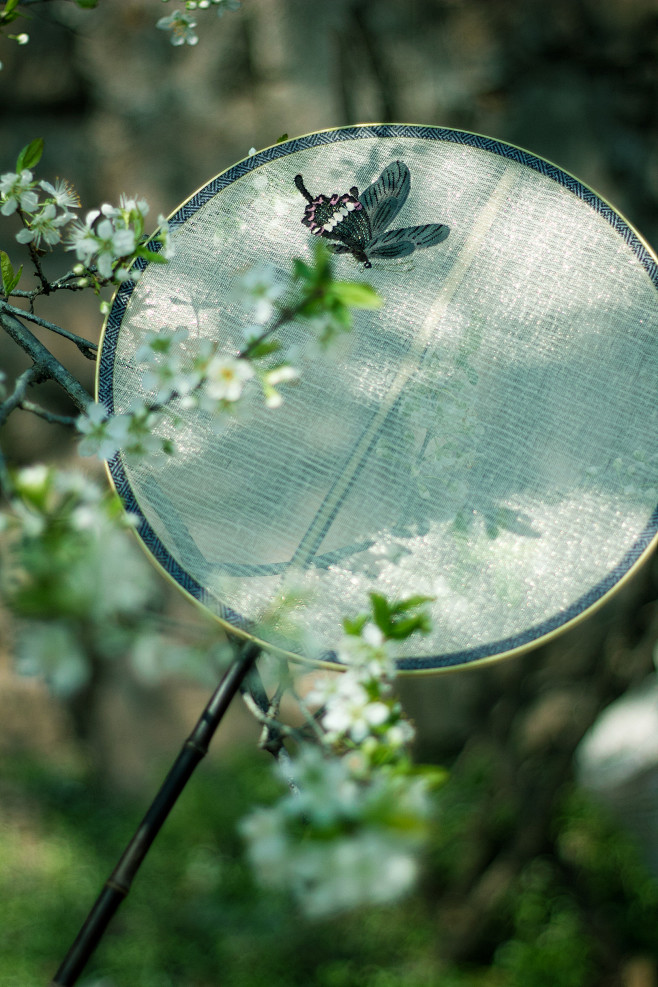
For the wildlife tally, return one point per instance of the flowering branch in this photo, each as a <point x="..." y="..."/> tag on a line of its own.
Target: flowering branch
<point x="214" y="381"/>
<point x="182" y="23"/>
<point x="106" y="243"/>
<point x="348" y="831"/>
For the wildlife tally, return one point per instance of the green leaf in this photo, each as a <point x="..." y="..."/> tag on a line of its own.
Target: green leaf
<point x="387" y="616"/>
<point x="322" y="261"/>
<point x="355" y="625"/>
<point x="87" y="4"/>
<point x="356" y="294"/>
<point x="30" y="155"/>
<point x="402" y="629"/>
<point x="153" y="256"/>
<point x="10" y="13"/>
<point x="434" y="775"/>
<point x="381" y="612"/>
<point x="401" y="606"/>
<point x="282" y="138"/>
<point x="264" y="349"/>
<point x="301" y="271"/>
<point x="10" y="278"/>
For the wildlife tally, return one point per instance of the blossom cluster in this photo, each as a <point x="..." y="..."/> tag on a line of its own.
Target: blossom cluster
<point x="67" y="567"/>
<point x="133" y="432"/>
<point x="106" y="242"/>
<point x="80" y="590"/>
<point x="43" y="216"/>
<point x="359" y="706"/>
<point x="211" y="381"/>
<point x="109" y="238"/>
<point x="204" y="378"/>
<point x="182" y="23"/>
<point x="196" y="375"/>
<point x="348" y="831"/>
<point x="341" y="838"/>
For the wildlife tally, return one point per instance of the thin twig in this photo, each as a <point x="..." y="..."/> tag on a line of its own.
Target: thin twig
<point x="86" y="347"/>
<point x="5" y="477"/>
<point x="34" y="255"/>
<point x="274" y="731"/>
<point x="30" y="376"/>
<point x="48" y="416"/>
<point x="69" y="282"/>
<point x="312" y="718"/>
<point x="284" y="316"/>
<point x="265" y="709"/>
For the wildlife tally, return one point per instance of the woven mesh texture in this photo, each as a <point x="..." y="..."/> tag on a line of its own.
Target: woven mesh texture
<point x="488" y="437"/>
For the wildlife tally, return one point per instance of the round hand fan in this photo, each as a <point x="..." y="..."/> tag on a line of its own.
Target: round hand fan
<point x="488" y="437"/>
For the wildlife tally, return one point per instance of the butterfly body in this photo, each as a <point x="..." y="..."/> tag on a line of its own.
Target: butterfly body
<point x="357" y="224"/>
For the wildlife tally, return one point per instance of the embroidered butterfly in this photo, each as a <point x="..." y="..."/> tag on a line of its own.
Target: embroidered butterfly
<point x="359" y="222"/>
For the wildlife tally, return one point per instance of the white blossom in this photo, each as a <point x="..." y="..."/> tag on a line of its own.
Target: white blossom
<point x="350" y="711"/>
<point x="281" y="375"/>
<point x="181" y="25"/>
<point x="164" y="236"/>
<point x="103" y="434"/>
<point x="362" y="833"/>
<point x="83" y="241"/>
<point x="225" y="377"/>
<point x="369" y="653"/>
<point x="278" y="375"/>
<point x="44" y="225"/>
<point x="62" y="194"/>
<point x="133" y="206"/>
<point x="262" y="290"/>
<point x="17" y="189"/>
<point x="102" y="244"/>
<point x="32" y="479"/>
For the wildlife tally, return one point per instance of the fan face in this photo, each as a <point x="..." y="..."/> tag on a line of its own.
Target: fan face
<point x="488" y="437"/>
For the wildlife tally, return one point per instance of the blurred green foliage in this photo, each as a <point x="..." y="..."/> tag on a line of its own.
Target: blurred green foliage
<point x="566" y="919"/>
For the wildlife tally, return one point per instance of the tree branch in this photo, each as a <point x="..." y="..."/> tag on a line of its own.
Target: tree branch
<point x="45" y="362"/>
<point x="29" y="376"/>
<point x="87" y="348"/>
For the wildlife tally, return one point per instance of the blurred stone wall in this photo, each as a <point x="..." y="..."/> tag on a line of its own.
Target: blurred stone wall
<point x="122" y="110"/>
<point x="575" y="81"/>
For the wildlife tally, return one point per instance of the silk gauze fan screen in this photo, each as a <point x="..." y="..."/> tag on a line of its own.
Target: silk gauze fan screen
<point x="488" y="437"/>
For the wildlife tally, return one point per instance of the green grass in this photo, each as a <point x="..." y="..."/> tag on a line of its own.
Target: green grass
<point x="195" y="919"/>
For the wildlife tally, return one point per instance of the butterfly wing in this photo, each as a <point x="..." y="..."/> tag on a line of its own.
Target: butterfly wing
<point x="383" y="199"/>
<point x="402" y="242"/>
<point x="338" y="248"/>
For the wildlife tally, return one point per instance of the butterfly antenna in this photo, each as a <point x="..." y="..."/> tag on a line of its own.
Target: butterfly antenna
<point x="299" y="182"/>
